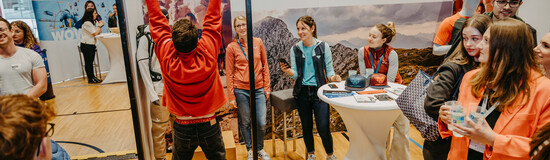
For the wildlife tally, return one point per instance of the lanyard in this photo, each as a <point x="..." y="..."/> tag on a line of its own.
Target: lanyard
<point x="379" y="62"/>
<point x="484" y="107"/>
<point x="239" y="41"/>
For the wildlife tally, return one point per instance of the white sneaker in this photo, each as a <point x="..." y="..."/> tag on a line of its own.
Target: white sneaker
<point x="263" y="155"/>
<point x="332" y="157"/>
<point x="249" y="155"/>
<point x="311" y="156"/>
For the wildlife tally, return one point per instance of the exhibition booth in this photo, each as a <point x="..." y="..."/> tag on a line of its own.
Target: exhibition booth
<point x="344" y="25"/>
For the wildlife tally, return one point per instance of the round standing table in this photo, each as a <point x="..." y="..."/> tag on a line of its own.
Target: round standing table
<point x="368" y="124"/>
<point x="112" y="42"/>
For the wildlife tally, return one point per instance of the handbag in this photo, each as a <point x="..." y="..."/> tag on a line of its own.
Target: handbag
<point x="411" y="102"/>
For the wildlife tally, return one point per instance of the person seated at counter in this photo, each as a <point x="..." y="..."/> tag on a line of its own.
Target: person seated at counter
<point x="379" y="57"/>
<point x="311" y="66"/>
<point x="512" y="91"/>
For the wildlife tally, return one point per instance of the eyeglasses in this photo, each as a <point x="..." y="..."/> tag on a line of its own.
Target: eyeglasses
<point x="513" y="4"/>
<point x="49" y="133"/>
<point x="4" y="29"/>
<point x="240" y="26"/>
<point x="50" y="130"/>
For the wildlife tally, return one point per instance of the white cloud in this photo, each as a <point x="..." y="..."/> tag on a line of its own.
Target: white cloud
<point x="414" y="29"/>
<point x="362" y="33"/>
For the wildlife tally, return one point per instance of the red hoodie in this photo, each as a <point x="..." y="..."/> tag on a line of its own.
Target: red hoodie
<point x="192" y="85"/>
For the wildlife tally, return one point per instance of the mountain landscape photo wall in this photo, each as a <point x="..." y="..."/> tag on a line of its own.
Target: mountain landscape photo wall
<point x="346" y="29"/>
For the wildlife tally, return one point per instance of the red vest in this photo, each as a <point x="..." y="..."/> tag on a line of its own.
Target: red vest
<point x="385" y="62"/>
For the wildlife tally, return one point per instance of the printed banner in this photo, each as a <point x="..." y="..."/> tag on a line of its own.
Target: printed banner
<point x="345" y="26"/>
<point x="56" y="21"/>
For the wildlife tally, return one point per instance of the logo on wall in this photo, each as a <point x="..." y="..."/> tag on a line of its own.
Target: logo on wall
<point x="56" y="19"/>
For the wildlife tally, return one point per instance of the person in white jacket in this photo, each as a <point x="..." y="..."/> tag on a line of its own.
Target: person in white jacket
<point x="149" y="69"/>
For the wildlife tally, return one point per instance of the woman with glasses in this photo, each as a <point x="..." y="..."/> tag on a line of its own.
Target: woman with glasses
<point x="311" y="66"/>
<point x="510" y="91"/>
<point x="463" y="59"/>
<point x="238" y="84"/>
<point x="507" y="9"/>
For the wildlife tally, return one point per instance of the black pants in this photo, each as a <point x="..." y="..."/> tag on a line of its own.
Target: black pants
<point x="88" y="51"/>
<point x="206" y="135"/>
<point x="437" y="150"/>
<point x="310" y="105"/>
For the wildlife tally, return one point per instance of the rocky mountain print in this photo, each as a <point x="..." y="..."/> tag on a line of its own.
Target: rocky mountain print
<point x="278" y="41"/>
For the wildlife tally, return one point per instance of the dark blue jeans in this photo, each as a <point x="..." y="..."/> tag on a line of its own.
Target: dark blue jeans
<point x="243" y="100"/>
<point x="310" y="105"/>
<point x="188" y="137"/>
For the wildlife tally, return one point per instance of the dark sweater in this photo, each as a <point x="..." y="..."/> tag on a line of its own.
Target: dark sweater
<point x="437" y="94"/>
<point x="442" y="89"/>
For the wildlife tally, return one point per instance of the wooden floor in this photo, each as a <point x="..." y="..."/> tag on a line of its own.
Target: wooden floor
<point x="92" y="118"/>
<point x="341" y="145"/>
<point x="96" y="118"/>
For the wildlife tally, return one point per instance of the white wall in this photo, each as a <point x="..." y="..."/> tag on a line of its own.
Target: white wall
<point x="63" y="59"/>
<point x="535" y="12"/>
<point x="134" y="18"/>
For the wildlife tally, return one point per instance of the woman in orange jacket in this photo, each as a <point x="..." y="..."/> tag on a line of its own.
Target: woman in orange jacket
<point x="540" y="146"/>
<point x="510" y="82"/>
<point x="238" y="84"/>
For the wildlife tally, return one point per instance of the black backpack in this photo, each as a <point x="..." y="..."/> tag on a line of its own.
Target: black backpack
<point x="456" y="35"/>
<point x="155" y="76"/>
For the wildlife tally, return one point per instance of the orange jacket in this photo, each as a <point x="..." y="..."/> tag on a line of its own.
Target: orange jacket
<point x="236" y="67"/>
<point x="192" y="85"/>
<point x="513" y="128"/>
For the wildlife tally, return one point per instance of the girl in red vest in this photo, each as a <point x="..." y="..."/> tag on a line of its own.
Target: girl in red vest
<point x="378" y="56"/>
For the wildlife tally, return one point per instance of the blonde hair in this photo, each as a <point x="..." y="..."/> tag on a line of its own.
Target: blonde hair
<point x="388" y="31"/>
<point x="242" y="18"/>
<point x="28" y="39"/>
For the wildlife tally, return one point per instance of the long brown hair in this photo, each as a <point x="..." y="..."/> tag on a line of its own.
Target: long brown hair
<point x="309" y="21"/>
<point x="387" y="30"/>
<point x="28" y="39"/>
<point x="460" y="56"/>
<point x="242" y="18"/>
<point x="509" y="66"/>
